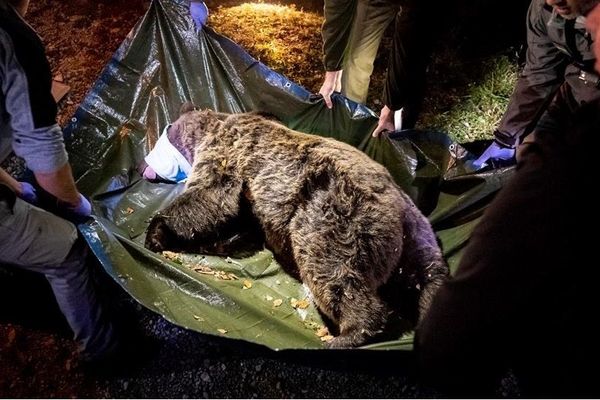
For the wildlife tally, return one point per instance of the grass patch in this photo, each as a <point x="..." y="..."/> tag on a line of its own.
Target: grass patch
<point x="470" y="102"/>
<point x="285" y="38"/>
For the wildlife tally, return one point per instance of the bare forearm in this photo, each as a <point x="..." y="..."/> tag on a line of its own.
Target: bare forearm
<point x="60" y="184"/>
<point x="8" y="180"/>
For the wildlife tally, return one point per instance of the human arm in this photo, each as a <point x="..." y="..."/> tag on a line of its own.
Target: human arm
<point x="534" y="90"/>
<point x="60" y="184"/>
<point x="539" y="80"/>
<point x="24" y="190"/>
<point x="9" y="181"/>
<point x="26" y="88"/>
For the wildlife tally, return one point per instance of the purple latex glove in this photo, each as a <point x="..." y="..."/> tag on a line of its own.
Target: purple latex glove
<point x="83" y="209"/>
<point x="494" y="151"/>
<point x="199" y="13"/>
<point x="149" y="174"/>
<point x="28" y="193"/>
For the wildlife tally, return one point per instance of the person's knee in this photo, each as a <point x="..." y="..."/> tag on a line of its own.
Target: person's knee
<point x="75" y="263"/>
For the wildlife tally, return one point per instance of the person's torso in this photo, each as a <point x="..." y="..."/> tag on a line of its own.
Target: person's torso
<point x="570" y="37"/>
<point x="22" y="56"/>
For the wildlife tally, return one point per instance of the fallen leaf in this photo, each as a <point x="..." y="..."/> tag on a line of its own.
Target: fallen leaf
<point x="269" y="298"/>
<point x="302" y="304"/>
<point x="326" y="338"/>
<point x="172" y="256"/>
<point x="202" y="269"/>
<point x="247" y="284"/>
<point x="323" y="331"/>
<point x="198" y="318"/>
<point x="277" y="302"/>
<point x="129" y="210"/>
<point x="223" y="331"/>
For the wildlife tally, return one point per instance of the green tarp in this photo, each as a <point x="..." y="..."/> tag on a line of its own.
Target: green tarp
<point x="165" y="62"/>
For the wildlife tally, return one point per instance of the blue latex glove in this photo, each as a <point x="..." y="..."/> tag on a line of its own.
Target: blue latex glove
<point x="494" y="152"/>
<point x="199" y="13"/>
<point x="28" y="193"/>
<point x="83" y="209"/>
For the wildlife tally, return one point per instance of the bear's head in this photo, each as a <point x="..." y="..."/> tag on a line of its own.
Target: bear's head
<point x="194" y="128"/>
<point x="173" y="155"/>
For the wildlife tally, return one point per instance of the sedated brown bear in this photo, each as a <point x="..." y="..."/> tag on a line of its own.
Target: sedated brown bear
<point x="333" y="217"/>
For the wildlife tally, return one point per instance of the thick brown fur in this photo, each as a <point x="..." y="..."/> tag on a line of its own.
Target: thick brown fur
<point x="328" y="212"/>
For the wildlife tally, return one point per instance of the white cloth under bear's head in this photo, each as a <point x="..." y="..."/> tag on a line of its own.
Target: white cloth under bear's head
<point x="166" y="161"/>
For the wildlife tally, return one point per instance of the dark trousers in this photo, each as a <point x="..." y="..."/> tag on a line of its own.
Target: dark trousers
<point x="525" y="294"/>
<point x="412" y="43"/>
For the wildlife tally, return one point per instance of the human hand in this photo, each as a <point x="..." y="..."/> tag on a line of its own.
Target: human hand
<point x="199" y="13"/>
<point x="332" y="83"/>
<point x="27" y="192"/>
<point x="386" y="121"/>
<point x="83" y="208"/>
<point x="495" y="151"/>
<point x="149" y="174"/>
<point x="592" y="23"/>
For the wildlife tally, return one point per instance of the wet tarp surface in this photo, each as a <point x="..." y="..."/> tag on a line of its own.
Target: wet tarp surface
<point x="165" y="62"/>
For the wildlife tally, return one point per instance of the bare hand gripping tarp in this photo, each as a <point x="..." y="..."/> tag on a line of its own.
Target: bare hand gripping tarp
<point x="161" y="64"/>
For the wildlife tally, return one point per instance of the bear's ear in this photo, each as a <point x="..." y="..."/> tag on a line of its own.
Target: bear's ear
<point x="187" y="107"/>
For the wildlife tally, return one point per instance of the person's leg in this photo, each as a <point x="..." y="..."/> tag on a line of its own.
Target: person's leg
<point x="36" y="240"/>
<point x="407" y="65"/>
<point x="370" y="22"/>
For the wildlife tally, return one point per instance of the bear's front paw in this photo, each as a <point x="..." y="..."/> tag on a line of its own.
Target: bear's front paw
<point x="158" y="235"/>
<point x="342" y="342"/>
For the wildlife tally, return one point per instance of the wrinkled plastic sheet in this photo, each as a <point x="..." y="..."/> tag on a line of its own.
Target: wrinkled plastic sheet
<point x="164" y="62"/>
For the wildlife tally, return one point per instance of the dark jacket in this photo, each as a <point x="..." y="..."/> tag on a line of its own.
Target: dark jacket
<point x="524" y="295"/>
<point x="558" y="50"/>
